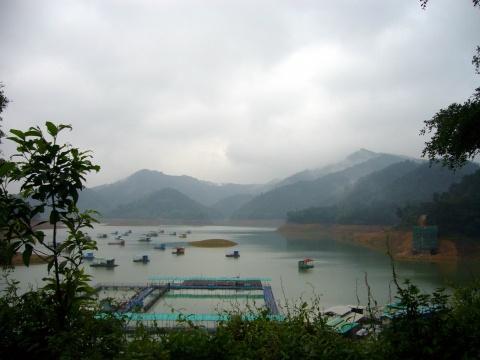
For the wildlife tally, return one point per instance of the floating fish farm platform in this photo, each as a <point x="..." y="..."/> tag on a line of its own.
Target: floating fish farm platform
<point x="146" y="295"/>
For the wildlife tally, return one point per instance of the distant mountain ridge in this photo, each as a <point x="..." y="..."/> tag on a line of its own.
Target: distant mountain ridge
<point x="145" y="181"/>
<point x="142" y="183"/>
<point x="165" y="204"/>
<point x="325" y="190"/>
<point x="355" y="158"/>
<point x="329" y="186"/>
<point x="376" y="198"/>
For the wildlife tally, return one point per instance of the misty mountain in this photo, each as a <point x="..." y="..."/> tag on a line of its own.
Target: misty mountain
<point x="267" y="201"/>
<point x="144" y="182"/>
<point x="326" y="190"/>
<point x="407" y="182"/>
<point x="376" y="198"/>
<point x="355" y="158"/>
<point x="166" y="204"/>
<point x="227" y="206"/>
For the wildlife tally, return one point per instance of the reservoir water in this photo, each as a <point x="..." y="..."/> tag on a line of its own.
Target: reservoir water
<point x="337" y="278"/>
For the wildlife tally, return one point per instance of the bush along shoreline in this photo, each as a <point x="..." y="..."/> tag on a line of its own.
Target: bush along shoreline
<point x="427" y="326"/>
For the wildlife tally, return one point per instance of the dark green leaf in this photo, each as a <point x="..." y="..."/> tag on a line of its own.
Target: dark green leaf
<point x="18" y="133"/>
<point x="52" y="129"/>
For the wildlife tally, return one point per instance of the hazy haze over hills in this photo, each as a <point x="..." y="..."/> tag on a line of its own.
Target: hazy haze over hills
<point x="324" y="190"/>
<point x="312" y="174"/>
<point x="364" y="177"/>
<point x="166" y="204"/>
<point x="377" y="198"/>
<point x="234" y="91"/>
<point x="145" y="181"/>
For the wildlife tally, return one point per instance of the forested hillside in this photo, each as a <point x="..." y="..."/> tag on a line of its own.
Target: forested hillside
<point x="377" y="198"/>
<point x="456" y="211"/>
<point x="163" y="204"/>
<point x="325" y="191"/>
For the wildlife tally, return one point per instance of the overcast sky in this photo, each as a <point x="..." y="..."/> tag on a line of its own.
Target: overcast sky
<point x="234" y="91"/>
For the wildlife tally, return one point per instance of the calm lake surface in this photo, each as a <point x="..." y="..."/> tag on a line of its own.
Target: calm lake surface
<point x="339" y="268"/>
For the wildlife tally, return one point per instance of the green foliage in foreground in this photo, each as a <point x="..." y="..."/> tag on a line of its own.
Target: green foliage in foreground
<point x="28" y="329"/>
<point x="50" y="174"/>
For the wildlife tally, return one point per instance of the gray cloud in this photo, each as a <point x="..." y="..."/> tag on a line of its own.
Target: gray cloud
<point x="240" y="91"/>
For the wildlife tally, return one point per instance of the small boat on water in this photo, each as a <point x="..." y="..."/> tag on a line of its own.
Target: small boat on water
<point x="188" y="232"/>
<point x="102" y="236"/>
<point x="235" y="254"/>
<point x="145" y="239"/>
<point x="183" y="236"/>
<point x="119" y="242"/>
<point x="159" y="247"/>
<point x="173" y="233"/>
<point x="88" y="256"/>
<point x="305" y="264"/>
<point x="179" y="251"/>
<point x="114" y="233"/>
<point x="118" y="237"/>
<point x="161" y="231"/>
<point x="152" y="234"/>
<point x="106" y="263"/>
<point x="142" y="258"/>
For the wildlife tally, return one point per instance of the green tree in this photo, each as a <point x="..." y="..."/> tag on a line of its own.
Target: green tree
<point x="50" y="175"/>
<point x="456" y="134"/>
<point x="456" y="129"/>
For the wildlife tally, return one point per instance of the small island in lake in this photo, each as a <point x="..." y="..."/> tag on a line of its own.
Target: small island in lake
<point x="213" y="243"/>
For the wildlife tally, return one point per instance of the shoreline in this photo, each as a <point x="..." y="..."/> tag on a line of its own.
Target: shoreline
<point x="166" y="222"/>
<point x="375" y="238"/>
<point x="17" y="260"/>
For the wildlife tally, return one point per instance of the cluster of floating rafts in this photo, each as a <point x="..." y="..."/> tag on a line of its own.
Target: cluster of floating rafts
<point x="118" y="239"/>
<point x="147" y="237"/>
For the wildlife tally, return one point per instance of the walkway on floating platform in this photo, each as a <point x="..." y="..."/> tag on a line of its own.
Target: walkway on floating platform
<point x="205" y="278"/>
<point x="270" y="300"/>
<point x="120" y="286"/>
<point x="137" y="300"/>
<point x="209" y="283"/>
<point x="189" y="317"/>
<point x="161" y="292"/>
<point x="214" y="296"/>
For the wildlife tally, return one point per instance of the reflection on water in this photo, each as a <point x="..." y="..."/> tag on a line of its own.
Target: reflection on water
<point x="338" y="276"/>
